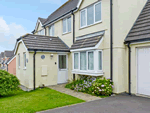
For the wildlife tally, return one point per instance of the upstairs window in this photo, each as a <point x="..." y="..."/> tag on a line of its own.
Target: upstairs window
<point x="66" y="25"/>
<point x="90" y="15"/>
<point x="51" y="30"/>
<point x="41" y="32"/>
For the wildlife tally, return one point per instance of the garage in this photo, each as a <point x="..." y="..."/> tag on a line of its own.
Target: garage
<point x="143" y="71"/>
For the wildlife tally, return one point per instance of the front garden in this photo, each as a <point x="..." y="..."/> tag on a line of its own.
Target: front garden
<point x="99" y="86"/>
<point x="14" y="100"/>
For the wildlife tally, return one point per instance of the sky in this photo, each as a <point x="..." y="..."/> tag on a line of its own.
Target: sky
<point x="18" y="17"/>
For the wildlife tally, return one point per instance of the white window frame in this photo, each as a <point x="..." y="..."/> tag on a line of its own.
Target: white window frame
<point x="66" y="19"/>
<point x="24" y="60"/>
<point x="52" y="26"/>
<point x="19" y="63"/>
<point x="85" y="9"/>
<point x="95" y="71"/>
<point x="39" y="32"/>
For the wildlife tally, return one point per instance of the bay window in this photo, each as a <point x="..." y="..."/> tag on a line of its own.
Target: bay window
<point x="66" y="25"/>
<point x="51" y="30"/>
<point x="86" y="62"/>
<point x="90" y="15"/>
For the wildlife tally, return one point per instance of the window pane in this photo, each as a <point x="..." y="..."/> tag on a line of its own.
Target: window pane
<point x="64" y="26"/>
<point x="42" y="32"/>
<point x="51" y="30"/>
<point x="62" y="61"/>
<point x="97" y="12"/>
<point x="90" y="61"/>
<point x="83" y="60"/>
<point x="100" y="60"/>
<point x="83" y="18"/>
<point x="69" y="24"/>
<point x="24" y="59"/>
<point x="76" y="60"/>
<point x="90" y="15"/>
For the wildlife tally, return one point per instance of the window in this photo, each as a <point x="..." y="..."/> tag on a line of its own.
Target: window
<point x="62" y="62"/>
<point x="90" y="15"/>
<point x="24" y="56"/>
<point x="19" y="60"/>
<point x="100" y="60"/>
<point x="83" y="60"/>
<point x="67" y="25"/>
<point x="51" y="30"/>
<point x="76" y="58"/>
<point x="41" y="32"/>
<point x="90" y="61"/>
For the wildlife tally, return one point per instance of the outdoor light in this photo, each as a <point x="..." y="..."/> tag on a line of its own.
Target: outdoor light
<point x="51" y="56"/>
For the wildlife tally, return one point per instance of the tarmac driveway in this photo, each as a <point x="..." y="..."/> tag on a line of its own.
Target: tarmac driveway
<point x="116" y="104"/>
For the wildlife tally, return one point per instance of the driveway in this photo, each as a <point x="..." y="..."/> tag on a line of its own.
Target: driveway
<point x="116" y="104"/>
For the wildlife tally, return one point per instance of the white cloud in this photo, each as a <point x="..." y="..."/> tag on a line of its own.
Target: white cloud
<point x="57" y="2"/>
<point x="8" y="34"/>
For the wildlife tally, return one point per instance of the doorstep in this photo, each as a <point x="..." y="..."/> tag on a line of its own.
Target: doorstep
<point x="61" y="88"/>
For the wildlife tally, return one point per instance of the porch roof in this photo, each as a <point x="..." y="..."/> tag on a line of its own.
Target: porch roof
<point x="44" y="43"/>
<point x="87" y="42"/>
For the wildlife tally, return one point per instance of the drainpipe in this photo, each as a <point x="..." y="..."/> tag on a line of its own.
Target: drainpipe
<point x="34" y="69"/>
<point x="111" y="40"/>
<point x="73" y="36"/>
<point x="129" y="68"/>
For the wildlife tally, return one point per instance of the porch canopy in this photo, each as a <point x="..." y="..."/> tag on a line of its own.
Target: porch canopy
<point x="88" y="41"/>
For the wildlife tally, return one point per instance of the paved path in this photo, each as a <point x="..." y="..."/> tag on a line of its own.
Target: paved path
<point x="116" y="104"/>
<point x="83" y="96"/>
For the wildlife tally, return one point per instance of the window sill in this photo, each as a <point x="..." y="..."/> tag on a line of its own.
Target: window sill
<point x="91" y="73"/>
<point x="90" y="25"/>
<point x="24" y="68"/>
<point x="66" y="33"/>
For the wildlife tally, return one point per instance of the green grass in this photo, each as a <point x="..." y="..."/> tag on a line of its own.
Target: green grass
<point x="38" y="100"/>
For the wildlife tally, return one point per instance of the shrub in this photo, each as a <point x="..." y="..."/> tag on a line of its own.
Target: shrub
<point x="8" y="83"/>
<point x="92" y="85"/>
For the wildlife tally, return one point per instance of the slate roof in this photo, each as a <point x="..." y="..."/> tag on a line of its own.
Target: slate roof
<point x="9" y="59"/>
<point x="66" y="7"/>
<point x="9" y="53"/>
<point x="42" y="20"/>
<point x="44" y="43"/>
<point x="86" y="42"/>
<point x="141" y="28"/>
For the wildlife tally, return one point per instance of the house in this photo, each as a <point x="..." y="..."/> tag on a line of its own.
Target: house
<point x="138" y="53"/>
<point x="11" y="65"/>
<point x="5" y="56"/>
<point x="92" y="32"/>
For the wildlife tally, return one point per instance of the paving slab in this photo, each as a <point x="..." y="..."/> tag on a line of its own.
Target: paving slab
<point x="61" y="88"/>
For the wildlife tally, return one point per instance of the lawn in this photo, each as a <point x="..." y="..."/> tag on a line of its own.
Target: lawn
<point x="38" y="100"/>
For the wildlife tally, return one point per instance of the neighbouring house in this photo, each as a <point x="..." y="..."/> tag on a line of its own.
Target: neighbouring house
<point x="92" y="32"/>
<point x="11" y="65"/>
<point x="5" y="56"/>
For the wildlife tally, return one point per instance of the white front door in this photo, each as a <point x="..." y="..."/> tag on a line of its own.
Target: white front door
<point x="62" y="68"/>
<point x="143" y="71"/>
